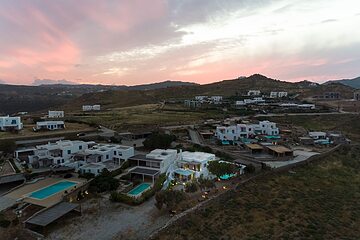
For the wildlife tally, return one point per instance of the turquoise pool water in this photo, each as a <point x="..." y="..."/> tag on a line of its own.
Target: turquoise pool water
<point x="227" y="176"/>
<point x="139" y="189"/>
<point x="52" y="189"/>
<point x="183" y="172"/>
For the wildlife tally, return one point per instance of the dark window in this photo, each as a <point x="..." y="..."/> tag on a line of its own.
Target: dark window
<point x="69" y="151"/>
<point x="80" y="147"/>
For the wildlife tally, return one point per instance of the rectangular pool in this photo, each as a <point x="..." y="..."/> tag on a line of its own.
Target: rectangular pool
<point x="51" y="190"/>
<point x="139" y="189"/>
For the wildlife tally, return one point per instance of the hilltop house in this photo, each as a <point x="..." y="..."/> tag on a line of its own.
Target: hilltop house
<point x="357" y="95"/>
<point x="278" y="94"/>
<point x="50" y="125"/>
<point x="91" y="107"/>
<point x="238" y="131"/>
<point x="254" y="93"/>
<point x="56" y="114"/>
<point x="9" y="123"/>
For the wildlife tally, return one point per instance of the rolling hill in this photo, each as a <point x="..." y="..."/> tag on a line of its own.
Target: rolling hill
<point x="354" y="83"/>
<point x="72" y="97"/>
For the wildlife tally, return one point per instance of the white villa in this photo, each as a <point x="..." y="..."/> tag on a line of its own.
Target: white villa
<point x="254" y="93"/>
<point x="201" y="98"/>
<point x="151" y="165"/>
<point x="318" y="135"/>
<point x="192" y="165"/>
<point x="50" y="125"/>
<point x="278" y="94"/>
<point x="216" y="99"/>
<point x="56" y="114"/>
<point x="91" y="108"/>
<point x="235" y="132"/>
<point x="75" y="154"/>
<point x="8" y="123"/>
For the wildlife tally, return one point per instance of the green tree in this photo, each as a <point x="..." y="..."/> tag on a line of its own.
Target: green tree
<point x="159" y="140"/>
<point x="205" y="183"/>
<point x="191" y="187"/>
<point x="221" y="168"/>
<point x="250" y="168"/>
<point x="170" y="198"/>
<point x="7" y="146"/>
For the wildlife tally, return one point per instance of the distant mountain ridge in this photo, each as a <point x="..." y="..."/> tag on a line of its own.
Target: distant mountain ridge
<point x="14" y="98"/>
<point x="354" y="83"/>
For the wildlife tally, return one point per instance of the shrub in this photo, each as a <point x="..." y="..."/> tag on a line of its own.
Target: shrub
<point x="104" y="182"/>
<point x="205" y="183"/>
<point x="7" y="146"/>
<point x="170" y="198"/>
<point x="191" y="187"/>
<point x="159" y="140"/>
<point x="87" y="176"/>
<point x="250" y="168"/>
<point x="221" y="168"/>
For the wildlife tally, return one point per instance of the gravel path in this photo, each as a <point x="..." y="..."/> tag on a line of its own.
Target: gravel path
<point x="111" y="221"/>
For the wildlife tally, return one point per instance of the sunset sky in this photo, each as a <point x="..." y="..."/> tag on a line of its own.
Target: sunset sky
<point x="141" y="41"/>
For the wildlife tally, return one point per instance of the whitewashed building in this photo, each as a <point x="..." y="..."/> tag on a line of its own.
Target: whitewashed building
<point x="278" y="94"/>
<point x="357" y="95"/>
<point x="91" y="107"/>
<point x="201" y="99"/>
<point x="318" y="135"/>
<point x="254" y="93"/>
<point x="56" y="114"/>
<point x="193" y="165"/>
<point x="238" y="131"/>
<point x="74" y="154"/>
<point x="9" y="123"/>
<point x="50" y="125"/>
<point x="51" y="153"/>
<point x="94" y="168"/>
<point x="216" y="99"/>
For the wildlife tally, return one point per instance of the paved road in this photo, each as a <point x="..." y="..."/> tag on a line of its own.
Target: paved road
<point x="299" y="157"/>
<point x="302" y="114"/>
<point x="103" y="132"/>
<point x="195" y="136"/>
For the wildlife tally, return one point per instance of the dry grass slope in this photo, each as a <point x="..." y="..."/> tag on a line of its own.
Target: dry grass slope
<point x="319" y="201"/>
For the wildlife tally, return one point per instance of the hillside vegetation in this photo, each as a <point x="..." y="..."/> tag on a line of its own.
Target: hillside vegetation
<point x="225" y="88"/>
<point x="318" y="201"/>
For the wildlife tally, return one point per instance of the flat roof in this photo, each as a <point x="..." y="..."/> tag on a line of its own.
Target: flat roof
<point x="145" y="171"/>
<point x="142" y="157"/>
<point x="11" y="178"/>
<point x="279" y="149"/>
<point x="254" y="146"/>
<point x="51" y="214"/>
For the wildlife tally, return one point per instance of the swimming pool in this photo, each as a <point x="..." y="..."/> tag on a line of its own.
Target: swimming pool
<point x="227" y="176"/>
<point x="139" y="189"/>
<point x="51" y="190"/>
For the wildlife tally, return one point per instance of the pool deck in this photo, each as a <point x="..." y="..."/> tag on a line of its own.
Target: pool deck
<point x="26" y="189"/>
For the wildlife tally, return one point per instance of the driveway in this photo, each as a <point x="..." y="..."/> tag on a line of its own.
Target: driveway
<point x="299" y="157"/>
<point x="106" y="220"/>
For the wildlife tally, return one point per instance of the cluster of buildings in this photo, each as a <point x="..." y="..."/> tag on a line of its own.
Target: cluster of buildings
<point x="280" y="94"/>
<point x="324" y="138"/>
<point x="239" y="131"/>
<point x="86" y="157"/>
<point x="199" y="100"/>
<point x="180" y="166"/>
<point x="90" y="157"/>
<point x="56" y="114"/>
